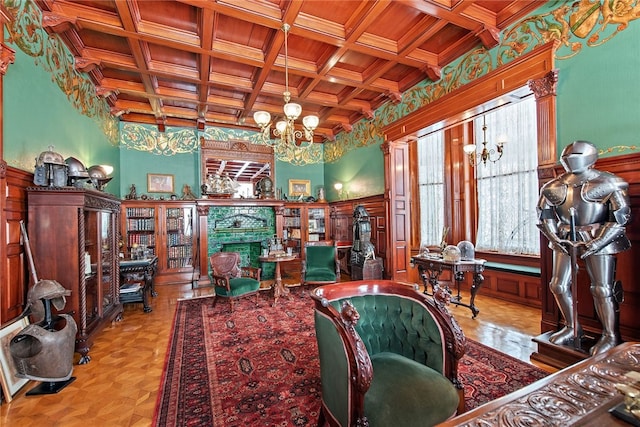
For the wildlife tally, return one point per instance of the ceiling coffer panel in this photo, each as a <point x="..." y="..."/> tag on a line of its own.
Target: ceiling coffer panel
<point x="178" y="59"/>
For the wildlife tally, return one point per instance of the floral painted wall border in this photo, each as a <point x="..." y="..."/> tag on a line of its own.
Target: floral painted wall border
<point x="52" y="55"/>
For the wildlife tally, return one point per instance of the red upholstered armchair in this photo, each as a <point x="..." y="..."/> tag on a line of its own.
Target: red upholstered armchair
<point x="230" y="280"/>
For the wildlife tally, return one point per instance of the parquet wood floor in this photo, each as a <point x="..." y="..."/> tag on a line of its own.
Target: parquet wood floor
<point x="118" y="387"/>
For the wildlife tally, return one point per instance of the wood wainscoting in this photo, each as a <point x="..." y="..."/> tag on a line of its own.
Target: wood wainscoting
<point x="511" y="278"/>
<point x="342" y="223"/>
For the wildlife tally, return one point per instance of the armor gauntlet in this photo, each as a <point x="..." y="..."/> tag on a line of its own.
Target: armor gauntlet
<point x="550" y="232"/>
<point x="608" y="233"/>
<point x="548" y="227"/>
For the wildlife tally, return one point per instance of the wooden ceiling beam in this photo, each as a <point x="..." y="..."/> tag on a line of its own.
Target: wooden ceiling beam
<point x="130" y="15"/>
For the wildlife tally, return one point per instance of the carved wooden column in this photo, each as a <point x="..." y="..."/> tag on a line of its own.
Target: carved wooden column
<point x="544" y="90"/>
<point x="7" y="56"/>
<point x="201" y="275"/>
<point x="397" y="195"/>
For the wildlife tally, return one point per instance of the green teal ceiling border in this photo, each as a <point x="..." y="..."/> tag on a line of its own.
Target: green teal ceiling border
<point x="52" y="55"/>
<point x="174" y="140"/>
<point x="575" y="24"/>
<point x="177" y="140"/>
<point x="283" y="152"/>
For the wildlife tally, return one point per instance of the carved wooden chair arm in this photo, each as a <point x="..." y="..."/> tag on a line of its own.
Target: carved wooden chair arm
<point x="220" y="281"/>
<point x="252" y="272"/>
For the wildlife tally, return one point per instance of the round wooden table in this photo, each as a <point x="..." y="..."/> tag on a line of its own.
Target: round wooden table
<point x="279" y="290"/>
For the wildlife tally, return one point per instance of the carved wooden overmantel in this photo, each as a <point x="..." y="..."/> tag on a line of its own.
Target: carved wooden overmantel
<point x="235" y="151"/>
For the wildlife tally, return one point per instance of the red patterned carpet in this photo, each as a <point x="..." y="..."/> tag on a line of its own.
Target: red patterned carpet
<point x="258" y="366"/>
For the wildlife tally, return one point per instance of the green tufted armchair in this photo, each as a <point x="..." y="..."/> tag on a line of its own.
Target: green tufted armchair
<point x="388" y="355"/>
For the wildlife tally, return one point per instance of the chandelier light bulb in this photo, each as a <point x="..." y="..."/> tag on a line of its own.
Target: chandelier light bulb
<point x="469" y="148"/>
<point x="281" y="126"/>
<point x="311" y="121"/>
<point x="262" y="118"/>
<point x="292" y="110"/>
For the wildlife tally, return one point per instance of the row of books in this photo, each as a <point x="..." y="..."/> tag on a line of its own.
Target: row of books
<point x="140" y="212"/>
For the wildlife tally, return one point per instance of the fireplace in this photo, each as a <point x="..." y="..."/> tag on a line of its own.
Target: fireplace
<point x="243" y="229"/>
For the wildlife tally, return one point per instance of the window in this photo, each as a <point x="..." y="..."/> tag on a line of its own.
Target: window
<point x="431" y="187"/>
<point x="507" y="190"/>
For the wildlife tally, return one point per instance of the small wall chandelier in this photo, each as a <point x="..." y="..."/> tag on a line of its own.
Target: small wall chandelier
<point x="285" y="130"/>
<point x="492" y="155"/>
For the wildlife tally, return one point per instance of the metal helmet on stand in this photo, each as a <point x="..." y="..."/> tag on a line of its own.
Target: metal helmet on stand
<point x="50" y="169"/>
<point x="98" y="177"/>
<point x="77" y="172"/>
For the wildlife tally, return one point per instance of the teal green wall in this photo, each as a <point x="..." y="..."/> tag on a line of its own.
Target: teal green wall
<point x="135" y="165"/>
<point x="37" y="114"/>
<point x="361" y="173"/>
<point x="598" y="93"/>
<point x="286" y="171"/>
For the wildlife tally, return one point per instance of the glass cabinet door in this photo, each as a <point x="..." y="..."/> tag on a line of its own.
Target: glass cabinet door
<point x="91" y="263"/>
<point x="107" y="230"/>
<point x="140" y="230"/>
<point x="179" y="237"/>
<point x="317" y="230"/>
<point x="292" y="233"/>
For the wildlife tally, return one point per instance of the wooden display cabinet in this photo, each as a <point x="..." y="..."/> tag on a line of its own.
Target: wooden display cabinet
<point x="165" y="229"/>
<point x="304" y="222"/>
<point x="73" y="235"/>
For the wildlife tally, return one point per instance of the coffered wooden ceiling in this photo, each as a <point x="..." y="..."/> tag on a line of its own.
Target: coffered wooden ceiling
<point x="190" y="63"/>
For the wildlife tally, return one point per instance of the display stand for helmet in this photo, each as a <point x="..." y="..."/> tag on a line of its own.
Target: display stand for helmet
<point x="43" y="351"/>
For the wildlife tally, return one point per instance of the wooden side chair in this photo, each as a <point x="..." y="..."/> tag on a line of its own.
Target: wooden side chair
<point x="232" y="281"/>
<point x="320" y="265"/>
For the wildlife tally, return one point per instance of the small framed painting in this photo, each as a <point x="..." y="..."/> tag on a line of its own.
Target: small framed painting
<point x="159" y="183"/>
<point x="299" y="187"/>
<point x="11" y="384"/>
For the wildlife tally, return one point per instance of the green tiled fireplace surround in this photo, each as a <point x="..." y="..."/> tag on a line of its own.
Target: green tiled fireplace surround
<point x="242" y="229"/>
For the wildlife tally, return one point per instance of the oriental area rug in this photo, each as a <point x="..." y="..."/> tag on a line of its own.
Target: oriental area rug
<point x="258" y="366"/>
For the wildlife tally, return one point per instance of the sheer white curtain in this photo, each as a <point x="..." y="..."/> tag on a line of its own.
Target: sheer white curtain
<point x="508" y="189"/>
<point x="431" y="187"/>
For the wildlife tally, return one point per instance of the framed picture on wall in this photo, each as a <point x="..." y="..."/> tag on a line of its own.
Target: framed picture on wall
<point x="159" y="183"/>
<point x="11" y="384"/>
<point x="299" y="187"/>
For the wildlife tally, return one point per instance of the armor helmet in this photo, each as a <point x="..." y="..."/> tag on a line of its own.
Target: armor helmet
<point x="97" y="172"/>
<point x="579" y="156"/>
<point x="47" y="290"/>
<point x="50" y="157"/>
<point x="76" y="168"/>
<point x="98" y="177"/>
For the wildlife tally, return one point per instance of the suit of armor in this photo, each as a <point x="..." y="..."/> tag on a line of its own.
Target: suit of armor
<point x="362" y="248"/>
<point x="585" y="210"/>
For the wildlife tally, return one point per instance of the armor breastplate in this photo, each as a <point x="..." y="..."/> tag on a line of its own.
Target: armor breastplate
<point x="43" y="355"/>
<point x="584" y="193"/>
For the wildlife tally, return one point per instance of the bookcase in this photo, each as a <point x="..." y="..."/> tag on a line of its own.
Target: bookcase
<point x="73" y="235"/>
<point x="304" y="222"/>
<point x="164" y="229"/>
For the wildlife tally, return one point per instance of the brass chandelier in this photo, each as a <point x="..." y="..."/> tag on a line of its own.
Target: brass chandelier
<point x="491" y="155"/>
<point x="285" y="131"/>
